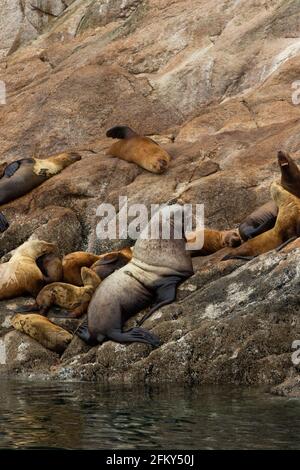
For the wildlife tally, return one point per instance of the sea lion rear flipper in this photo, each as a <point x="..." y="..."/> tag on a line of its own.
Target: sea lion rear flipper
<point x="83" y="333"/>
<point x="12" y="168"/>
<point x="3" y="223"/>
<point x="121" y="132"/>
<point x="135" y="335"/>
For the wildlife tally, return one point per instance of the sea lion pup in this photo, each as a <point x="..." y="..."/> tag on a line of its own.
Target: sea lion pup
<point x="74" y="299"/>
<point x="286" y="228"/>
<point x="23" y="175"/>
<point x="264" y="218"/>
<point x="21" y="275"/>
<point x="151" y="277"/>
<point x="51" y="267"/>
<point x="103" y="265"/>
<point x="214" y="240"/>
<point x="45" y="332"/>
<point x="138" y="149"/>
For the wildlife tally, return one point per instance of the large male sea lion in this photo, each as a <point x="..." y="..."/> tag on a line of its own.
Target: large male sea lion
<point x="287" y="226"/>
<point x="138" y="149"/>
<point x="45" y="332"/>
<point x="73" y="298"/>
<point x="23" y="175"/>
<point x="156" y="268"/>
<point x="21" y="275"/>
<point x="103" y="265"/>
<point x="264" y="218"/>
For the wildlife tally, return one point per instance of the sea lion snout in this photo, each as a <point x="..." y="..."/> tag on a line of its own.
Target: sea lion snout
<point x="283" y="158"/>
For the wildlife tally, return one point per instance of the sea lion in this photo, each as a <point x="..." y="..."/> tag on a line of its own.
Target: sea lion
<point x="74" y="299"/>
<point x="287" y="226"/>
<point x="138" y="149"/>
<point x="45" y="332"/>
<point x="152" y="276"/>
<point x="51" y="267"/>
<point x="214" y="240"/>
<point x="21" y="176"/>
<point x="21" y="275"/>
<point x="103" y="265"/>
<point x="264" y="218"/>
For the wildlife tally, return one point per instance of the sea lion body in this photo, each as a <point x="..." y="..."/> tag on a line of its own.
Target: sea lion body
<point x="28" y="173"/>
<point x="45" y="332"/>
<point x="103" y="265"/>
<point x="156" y="268"/>
<point x="286" y="227"/>
<point x="264" y="218"/>
<point x="138" y="149"/>
<point x="21" y="275"/>
<point x="74" y="299"/>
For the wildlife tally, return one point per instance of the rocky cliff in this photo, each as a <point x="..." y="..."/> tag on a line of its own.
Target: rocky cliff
<point x="216" y="84"/>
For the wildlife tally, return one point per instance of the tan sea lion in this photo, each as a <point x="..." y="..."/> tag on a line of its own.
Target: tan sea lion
<point x="287" y="226"/>
<point x="21" y="275"/>
<point x="21" y="176"/>
<point x="138" y="149"/>
<point x="103" y="265"/>
<point x="45" y="332"/>
<point x="72" y="298"/>
<point x="264" y="218"/>
<point x="214" y="240"/>
<point x="151" y="277"/>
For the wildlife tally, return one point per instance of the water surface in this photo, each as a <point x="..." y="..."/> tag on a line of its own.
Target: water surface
<point x="86" y="416"/>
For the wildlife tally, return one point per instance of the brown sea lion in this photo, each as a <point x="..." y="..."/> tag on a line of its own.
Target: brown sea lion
<point x="287" y="226"/>
<point x="45" y="332"/>
<point x="152" y="276"/>
<point x="21" y="275"/>
<point x="103" y="265"/>
<point x="21" y="176"/>
<point x="72" y="298"/>
<point x="264" y="218"/>
<point x="214" y="240"/>
<point x="51" y="267"/>
<point x="138" y="149"/>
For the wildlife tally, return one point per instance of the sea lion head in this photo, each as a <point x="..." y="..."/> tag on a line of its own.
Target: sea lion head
<point x="36" y="248"/>
<point x="290" y="173"/>
<point x="232" y="238"/>
<point x="89" y="278"/>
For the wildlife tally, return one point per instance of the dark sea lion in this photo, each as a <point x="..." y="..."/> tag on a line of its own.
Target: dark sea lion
<point x="138" y="149"/>
<point x="103" y="265"/>
<point x="72" y="298"/>
<point x="286" y="228"/>
<point x="45" y="332"/>
<point x="151" y="277"/>
<point x="264" y="218"/>
<point x="23" y="175"/>
<point x="21" y="275"/>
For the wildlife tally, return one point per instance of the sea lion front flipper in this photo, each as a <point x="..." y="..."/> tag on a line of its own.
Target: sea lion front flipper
<point x="83" y="333"/>
<point x="12" y="168"/>
<point x="121" y="132"/>
<point x="165" y="295"/>
<point x="3" y="223"/>
<point x="287" y="242"/>
<point x="233" y="256"/>
<point x="27" y="308"/>
<point x="135" y="335"/>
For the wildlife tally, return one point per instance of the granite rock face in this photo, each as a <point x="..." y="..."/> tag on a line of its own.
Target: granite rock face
<point x="217" y="86"/>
